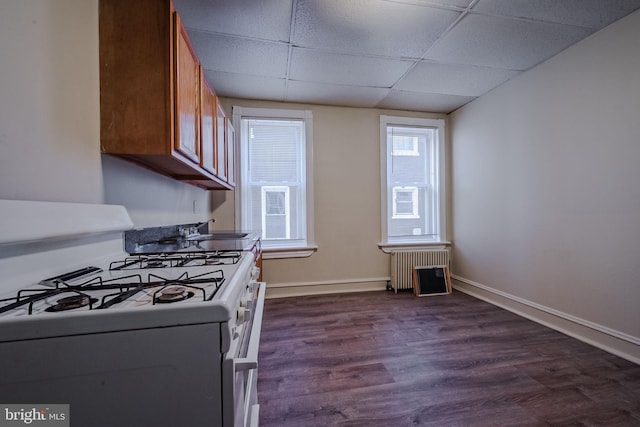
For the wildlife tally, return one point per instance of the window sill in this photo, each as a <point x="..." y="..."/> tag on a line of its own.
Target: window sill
<point x="295" y="252"/>
<point x="390" y="247"/>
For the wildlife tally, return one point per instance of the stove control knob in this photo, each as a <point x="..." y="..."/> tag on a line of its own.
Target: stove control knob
<point x="243" y="315"/>
<point x="245" y="302"/>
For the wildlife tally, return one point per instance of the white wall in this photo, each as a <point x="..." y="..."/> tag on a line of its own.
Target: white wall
<point x="546" y="190"/>
<point x="152" y="199"/>
<point x="50" y="120"/>
<point x="49" y="101"/>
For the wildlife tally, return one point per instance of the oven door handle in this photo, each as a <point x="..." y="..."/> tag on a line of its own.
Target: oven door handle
<point x="251" y="360"/>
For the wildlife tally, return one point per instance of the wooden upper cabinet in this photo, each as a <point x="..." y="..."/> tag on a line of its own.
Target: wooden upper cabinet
<point x="151" y="105"/>
<point x="187" y="96"/>
<point x="207" y="126"/>
<point x="221" y="141"/>
<point x="231" y="152"/>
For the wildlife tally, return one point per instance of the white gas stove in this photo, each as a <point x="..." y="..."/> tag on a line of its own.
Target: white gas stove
<point x="117" y="335"/>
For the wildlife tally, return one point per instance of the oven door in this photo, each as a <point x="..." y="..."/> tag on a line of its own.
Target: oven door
<point x="240" y="369"/>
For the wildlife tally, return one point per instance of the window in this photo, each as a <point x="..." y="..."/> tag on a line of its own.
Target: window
<point x="274" y="193"/>
<point x="405" y="202"/>
<point x="412" y="153"/>
<point x="405" y="146"/>
<point x="276" y="212"/>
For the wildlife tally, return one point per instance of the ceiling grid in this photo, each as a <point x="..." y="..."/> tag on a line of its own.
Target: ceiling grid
<point x="422" y="55"/>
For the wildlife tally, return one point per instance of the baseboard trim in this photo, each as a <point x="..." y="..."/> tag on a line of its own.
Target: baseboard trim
<point x="607" y="339"/>
<point x="283" y="290"/>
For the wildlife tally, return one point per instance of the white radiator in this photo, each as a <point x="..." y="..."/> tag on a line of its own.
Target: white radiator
<point x="403" y="262"/>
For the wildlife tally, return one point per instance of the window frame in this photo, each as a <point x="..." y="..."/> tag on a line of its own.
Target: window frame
<point x="282" y="248"/>
<point x="388" y="243"/>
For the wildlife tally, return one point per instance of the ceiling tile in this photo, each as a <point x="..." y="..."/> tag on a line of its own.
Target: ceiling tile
<point x="587" y="13"/>
<point x="238" y="55"/>
<point x="246" y="86"/>
<point x="372" y="27"/>
<point x="268" y="20"/>
<point x="503" y="43"/>
<point x="364" y="52"/>
<point x="465" y="80"/>
<point x="431" y="102"/>
<point x="456" y="3"/>
<point x="335" y="68"/>
<point x="320" y="93"/>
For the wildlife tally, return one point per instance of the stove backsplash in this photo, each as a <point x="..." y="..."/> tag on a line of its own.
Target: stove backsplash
<point x="165" y="236"/>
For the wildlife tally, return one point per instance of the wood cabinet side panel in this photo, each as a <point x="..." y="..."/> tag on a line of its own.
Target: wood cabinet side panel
<point x="136" y="102"/>
<point x="221" y="142"/>
<point x="187" y="94"/>
<point x="207" y="126"/>
<point x="231" y="152"/>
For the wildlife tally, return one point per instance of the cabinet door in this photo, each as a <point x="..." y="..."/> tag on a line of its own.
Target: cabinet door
<point x="187" y="81"/>
<point x="221" y="142"/>
<point x="207" y="126"/>
<point x="231" y="152"/>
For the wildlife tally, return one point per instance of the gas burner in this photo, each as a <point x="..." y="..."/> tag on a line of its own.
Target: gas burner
<point x="71" y="303"/>
<point x="142" y="262"/>
<point x="213" y="260"/>
<point x="171" y="260"/>
<point x="219" y="258"/>
<point x="172" y="293"/>
<point x="155" y="263"/>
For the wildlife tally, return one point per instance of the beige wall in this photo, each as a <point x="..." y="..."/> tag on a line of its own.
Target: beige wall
<point x="346" y="154"/>
<point x="546" y="194"/>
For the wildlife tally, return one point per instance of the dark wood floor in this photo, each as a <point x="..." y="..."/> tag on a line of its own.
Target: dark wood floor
<point x="381" y="359"/>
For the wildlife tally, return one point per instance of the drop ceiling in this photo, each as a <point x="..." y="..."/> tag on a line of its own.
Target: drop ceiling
<point x="422" y="55"/>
